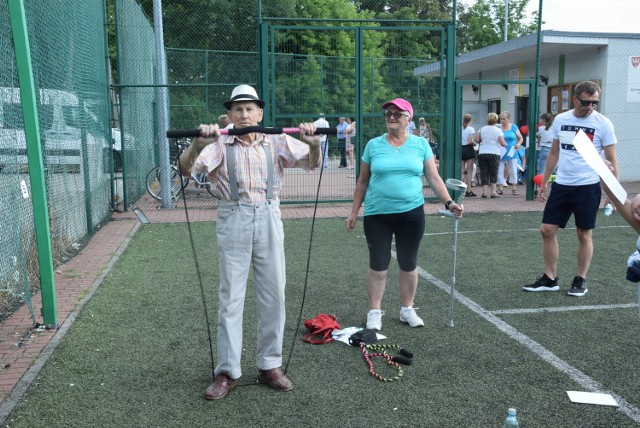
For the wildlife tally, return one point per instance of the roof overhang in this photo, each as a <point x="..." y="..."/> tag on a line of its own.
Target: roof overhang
<point x="523" y="50"/>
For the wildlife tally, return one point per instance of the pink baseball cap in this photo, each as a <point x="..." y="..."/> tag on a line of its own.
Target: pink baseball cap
<point x="402" y="104"/>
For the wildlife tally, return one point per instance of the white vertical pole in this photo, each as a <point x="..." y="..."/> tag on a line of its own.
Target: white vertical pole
<point x="506" y="18"/>
<point x="162" y="105"/>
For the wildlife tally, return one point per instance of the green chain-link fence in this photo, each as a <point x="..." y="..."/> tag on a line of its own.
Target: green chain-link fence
<point x="137" y="96"/>
<point x="340" y="70"/>
<point x="309" y="76"/>
<point x="68" y="54"/>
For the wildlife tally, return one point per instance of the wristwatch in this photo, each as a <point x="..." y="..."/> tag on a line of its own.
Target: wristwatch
<point x="448" y="204"/>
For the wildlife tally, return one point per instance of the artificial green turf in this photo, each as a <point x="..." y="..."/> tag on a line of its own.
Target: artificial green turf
<point x="138" y="354"/>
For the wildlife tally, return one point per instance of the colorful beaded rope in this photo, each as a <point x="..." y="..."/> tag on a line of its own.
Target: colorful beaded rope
<point x="367" y="357"/>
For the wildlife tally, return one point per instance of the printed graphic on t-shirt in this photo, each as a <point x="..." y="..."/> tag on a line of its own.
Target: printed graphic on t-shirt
<point x="568" y="132"/>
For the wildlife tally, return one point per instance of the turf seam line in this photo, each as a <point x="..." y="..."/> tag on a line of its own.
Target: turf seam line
<point x="563" y="309"/>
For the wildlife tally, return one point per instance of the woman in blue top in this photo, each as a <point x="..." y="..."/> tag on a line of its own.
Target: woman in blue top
<point x="509" y="159"/>
<point x="390" y="184"/>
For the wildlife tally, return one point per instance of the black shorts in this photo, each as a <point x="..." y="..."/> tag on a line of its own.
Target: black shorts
<point x="408" y="228"/>
<point x="581" y="201"/>
<point x="468" y="152"/>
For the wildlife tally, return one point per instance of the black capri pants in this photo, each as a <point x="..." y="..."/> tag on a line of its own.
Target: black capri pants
<point x="488" y="165"/>
<point x="408" y="228"/>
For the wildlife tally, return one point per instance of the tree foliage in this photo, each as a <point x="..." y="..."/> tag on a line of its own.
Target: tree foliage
<point x="482" y="24"/>
<point x="214" y="43"/>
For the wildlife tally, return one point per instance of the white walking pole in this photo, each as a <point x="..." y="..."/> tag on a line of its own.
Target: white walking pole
<point x="456" y="186"/>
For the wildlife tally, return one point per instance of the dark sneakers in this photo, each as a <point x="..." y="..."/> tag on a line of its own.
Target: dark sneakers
<point x="578" y="287"/>
<point x="544" y="283"/>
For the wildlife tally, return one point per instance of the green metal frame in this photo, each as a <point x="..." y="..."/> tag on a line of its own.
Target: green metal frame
<point x="35" y="162"/>
<point x="455" y="150"/>
<point x="267" y="35"/>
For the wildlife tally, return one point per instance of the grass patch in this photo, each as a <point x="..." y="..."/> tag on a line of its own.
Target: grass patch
<point x="138" y="354"/>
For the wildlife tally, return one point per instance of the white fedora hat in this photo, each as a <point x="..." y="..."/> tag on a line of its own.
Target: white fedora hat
<point x="243" y="93"/>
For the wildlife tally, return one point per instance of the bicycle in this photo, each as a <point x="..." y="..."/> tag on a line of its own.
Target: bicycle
<point x="178" y="183"/>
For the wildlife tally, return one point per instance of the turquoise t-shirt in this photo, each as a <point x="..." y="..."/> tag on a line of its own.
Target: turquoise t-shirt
<point x="511" y="138"/>
<point x="395" y="185"/>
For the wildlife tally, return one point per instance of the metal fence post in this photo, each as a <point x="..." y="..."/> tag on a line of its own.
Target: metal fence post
<point x="162" y="106"/>
<point x="36" y="164"/>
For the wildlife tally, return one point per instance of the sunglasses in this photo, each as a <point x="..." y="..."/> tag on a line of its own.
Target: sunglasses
<point x="586" y="103"/>
<point x="395" y="114"/>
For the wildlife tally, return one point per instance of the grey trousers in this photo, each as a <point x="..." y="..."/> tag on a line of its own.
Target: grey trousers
<point x="250" y="234"/>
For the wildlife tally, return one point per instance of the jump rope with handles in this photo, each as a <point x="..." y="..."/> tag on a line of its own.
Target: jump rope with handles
<point x="193" y="133"/>
<point x="366" y="339"/>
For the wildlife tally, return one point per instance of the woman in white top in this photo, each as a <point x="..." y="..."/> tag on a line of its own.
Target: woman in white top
<point x="544" y="141"/>
<point x="468" y="152"/>
<point x="490" y="138"/>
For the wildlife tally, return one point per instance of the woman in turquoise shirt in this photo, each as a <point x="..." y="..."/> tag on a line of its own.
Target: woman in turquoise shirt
<point x="509" y="159"/>
<point x="390" y="184"/>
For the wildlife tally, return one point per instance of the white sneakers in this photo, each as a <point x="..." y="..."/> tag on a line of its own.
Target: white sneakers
<point x="374" y="319"/>
<point x="407" y="315"/>
<point x="410" y="317"/>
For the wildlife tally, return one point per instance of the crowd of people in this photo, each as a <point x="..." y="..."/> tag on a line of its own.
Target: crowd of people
<point x="510" y="166"/>
<point x="342" y="147"/>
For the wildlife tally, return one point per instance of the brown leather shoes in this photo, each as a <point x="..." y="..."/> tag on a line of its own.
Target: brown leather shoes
<point x="220" y="387"/>
<point x="275" y="379"/>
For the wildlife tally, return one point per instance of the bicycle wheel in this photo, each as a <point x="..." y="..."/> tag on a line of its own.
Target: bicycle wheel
<point x="154" y="180"/>
<point x="205" y="182"/>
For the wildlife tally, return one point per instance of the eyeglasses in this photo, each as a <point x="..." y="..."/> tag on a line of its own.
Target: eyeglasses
<point x="396" y="114"/>
<point x="587" y="103"/>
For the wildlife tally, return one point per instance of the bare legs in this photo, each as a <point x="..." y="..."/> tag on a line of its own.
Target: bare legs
<point x="585" y="251"/>
<point x="551" y="251"/>
<point x="467" y="171"/>
<point x="492" y="186"/>
<point x="352" y="158"/>
<point x="377" y="280"/>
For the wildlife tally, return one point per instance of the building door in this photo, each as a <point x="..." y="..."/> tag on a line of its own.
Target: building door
<point x="494" y="106"/>
<point x="522" y="111"/>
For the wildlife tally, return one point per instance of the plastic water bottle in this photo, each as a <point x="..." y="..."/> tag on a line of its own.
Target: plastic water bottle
<point x="511" y="420"/>
<point x="608" y="210"/>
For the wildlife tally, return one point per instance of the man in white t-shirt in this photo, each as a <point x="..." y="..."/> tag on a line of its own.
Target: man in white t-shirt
<point x="576" y="189"/>
<point x="322" y="123"/>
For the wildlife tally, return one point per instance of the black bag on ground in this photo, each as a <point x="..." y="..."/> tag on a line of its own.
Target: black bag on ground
<point x="365" y="336"/>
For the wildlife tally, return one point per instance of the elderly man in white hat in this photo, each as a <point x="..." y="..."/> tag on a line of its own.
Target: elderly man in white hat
<point x="246" y="174"/>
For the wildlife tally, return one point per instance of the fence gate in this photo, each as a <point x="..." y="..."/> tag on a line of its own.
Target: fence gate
<point x="347" y="71"/>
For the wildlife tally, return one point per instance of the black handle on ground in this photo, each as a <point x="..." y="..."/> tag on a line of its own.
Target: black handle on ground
<point x="192" y="133"/>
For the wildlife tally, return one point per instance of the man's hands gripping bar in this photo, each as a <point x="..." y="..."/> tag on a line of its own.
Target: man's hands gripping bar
<point x="192" y="133"/>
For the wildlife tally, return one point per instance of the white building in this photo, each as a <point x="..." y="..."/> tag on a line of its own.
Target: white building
<point x="566" y="58"/>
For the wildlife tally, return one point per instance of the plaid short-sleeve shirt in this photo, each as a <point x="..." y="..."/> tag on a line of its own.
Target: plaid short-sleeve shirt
<point x="251" y="165"/>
